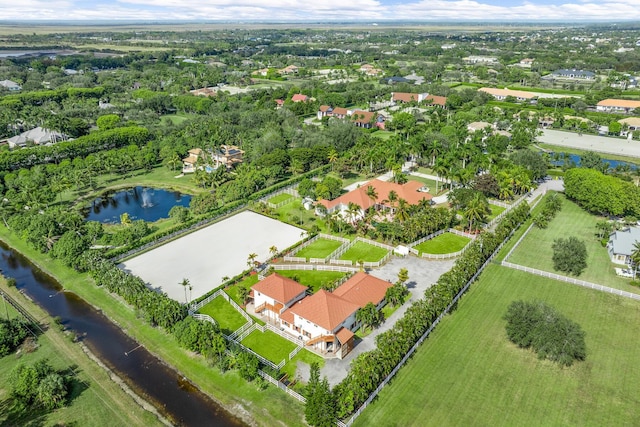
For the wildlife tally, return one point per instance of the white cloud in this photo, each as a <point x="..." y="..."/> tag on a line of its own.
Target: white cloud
<point x="304" y="10"/>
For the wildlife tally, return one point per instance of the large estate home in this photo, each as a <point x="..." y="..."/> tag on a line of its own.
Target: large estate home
<point x="412" y="191"/>
<point x="11" y="86"/>
<point x="36" y="136"/>
<point x="573" y="74"/>
<point x="325" y="321"/>
<point x="363" y="119"/>
<point x="403" y="97"/>
<point x="620" y="245"/>
<point x="226" y="155"/>
<point x="617" y="106"/>
<point x="502" y="94"/>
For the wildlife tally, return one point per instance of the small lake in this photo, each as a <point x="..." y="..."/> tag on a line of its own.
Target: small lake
<point x="149" y="204"/>
<point x="575" y="159"/>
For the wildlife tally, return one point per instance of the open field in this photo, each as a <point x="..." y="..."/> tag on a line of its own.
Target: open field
<point x="94" y="396"/>
<point x="445" y="243"/>
<point x="365" y="252"/>
<point x="269" y="345"/>
<point x="209" y="254"/>
<point x="222" y="312"/>
<point x="312" y="278"/>
<point x="468" y="373"/>
<point x="319" y="249"/>
<point x="229" y="389"/>
<point x="294" y="213"/>
<point x="571" y="221"/>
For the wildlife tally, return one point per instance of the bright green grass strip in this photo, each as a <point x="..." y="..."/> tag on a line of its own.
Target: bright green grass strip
<point x="321" y="248"/>
<point x="495" y="211"/>
<point x="247" y="282"/>
<point x="269" y="345"/>
<point x="364" y="251"/>
<point x="281" y="198"/>
<point x="222" y="312"/>
<point x="535" y="250"/>
<point x="445" y="243"/>
<point x="468" y="373"/>
<point x="312" y="278"/>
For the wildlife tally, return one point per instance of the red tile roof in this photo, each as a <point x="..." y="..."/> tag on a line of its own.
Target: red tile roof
<point x="325" y="108"/>
<point x="298" y="97"/>
<point x="408" y="192"/>
<point x="362" y="116"/>
<point x="324" y="309"/>
<point x="405" y="97"/>
<point x="362" y="289"/>
<point x="281" y="289"/>
<point x="344" y="335"/>
<point x="436" y="100"/>
<point x="340" y="111"/>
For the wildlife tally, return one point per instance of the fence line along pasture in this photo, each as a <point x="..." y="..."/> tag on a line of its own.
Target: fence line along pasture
<point x="282" y="386"/>
<point x="306" y="267"/>
<point x="207" y="300"/>
<point x="571" y="280"/>
<point x="424" y="336"/>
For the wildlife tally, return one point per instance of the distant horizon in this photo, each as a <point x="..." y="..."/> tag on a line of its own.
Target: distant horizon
<point x="299" y="11"/>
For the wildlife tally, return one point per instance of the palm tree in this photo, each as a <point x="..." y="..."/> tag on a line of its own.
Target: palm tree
<point x="475" y="211"/>
<point x="402" y="212"/>
<point x="635" y="258"/>
<point x="372" y="194"/>
<point x="251" y="260"/>
<point x="273" y="250"/>
<point x="393" y="198"/>
<point x="332" y="157"/>
<point x="185" y="284"/>
<point x="353" y="211"/>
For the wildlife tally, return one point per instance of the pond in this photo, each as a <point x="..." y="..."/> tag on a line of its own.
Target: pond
<point x="149" y="204"/>
<point x="575" y="159"/>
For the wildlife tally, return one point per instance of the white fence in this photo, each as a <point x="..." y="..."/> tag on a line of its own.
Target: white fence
<point x="424" y="336"/>
<point x="291" y="190"/>
<point x="370" y="264"/>
<point x="341" y="250"/>
<point x="205" y="301"/>
<point x="205" y="318"/>
<point x="462" y="233"/>
<point x="341" y="261"/>
<point x="288" y="258"/>
<point x="572" y="280"/>
<point x="499" y="203"/>
<point x="307" y="267"/>
<point x="281" y="386"/>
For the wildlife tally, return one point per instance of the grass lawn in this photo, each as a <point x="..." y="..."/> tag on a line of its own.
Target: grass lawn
<point x="94" y="396"/>
<point x="495" y="211"/>
<point x="229" y="389"/>
<point x="222" y="312"/>
<point x="281" y="198"/>
<point x="303" y="356"/>
<point x="429" y="183"/>
<point x="571" y="221"/>
<point x="468" y="373"/>
<point x="312" y="278"/>
<point x="177" y="119"/>
<point x="364" y="251"/>
<point x="247" y="282"/>
<point x="321" y="248"/>
<point x="445" y="243"/>
<point x="269" y="345"/>
<point x="295" y="214"/>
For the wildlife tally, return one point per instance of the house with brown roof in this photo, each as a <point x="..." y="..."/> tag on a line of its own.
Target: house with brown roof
<point x="403" y="97"/>
<point x="411" y="191"/>
<point x="261" y="72"/>
<point x="275" y="293"/>
<point x="298" y="97"/>
<point x="502" y="94"/>
<point x="325" y="111"/>
<point x="189" y="163"/>
<point x="632" y="123"/>
<point x="340" y="112"/>
<point x="227" y="155"/>
<point x="205" y="91"/>
<point x="617" y="106"/>
<point x="291" y="69"/>
<point x="326" y="320"/>
<point x="368" y="119"/>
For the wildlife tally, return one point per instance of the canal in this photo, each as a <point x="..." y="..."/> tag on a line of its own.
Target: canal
<point x="175" y="397"/>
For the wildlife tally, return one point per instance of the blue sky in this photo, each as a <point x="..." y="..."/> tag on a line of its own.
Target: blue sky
<point x="322" y="10"/>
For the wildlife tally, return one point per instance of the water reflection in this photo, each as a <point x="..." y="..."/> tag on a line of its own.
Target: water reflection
<point x="149" y="204"/>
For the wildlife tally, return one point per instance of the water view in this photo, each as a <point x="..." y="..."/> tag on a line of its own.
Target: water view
<point x="575" y="159"/>
<point x="149" y="204"/>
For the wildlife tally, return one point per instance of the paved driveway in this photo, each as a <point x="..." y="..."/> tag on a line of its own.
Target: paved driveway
<point x="422" y="275"/>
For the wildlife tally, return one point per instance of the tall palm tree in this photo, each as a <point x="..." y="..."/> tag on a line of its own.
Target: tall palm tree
<point x="475" y="211"/>
<point x="251" y="260"/>
<point x="185" y="285"/>
<point x="402" y="211"/>
<point x="273" y="250"/>
<point x="635" y="258"/>
<point x="393" y="198"/>
<point x="372" y="194"/>
<point x="353" y="211"/>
